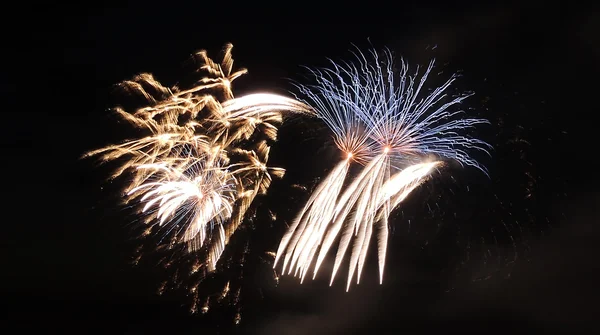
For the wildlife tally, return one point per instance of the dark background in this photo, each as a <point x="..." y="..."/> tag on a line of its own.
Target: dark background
<point x="65" y="252"/>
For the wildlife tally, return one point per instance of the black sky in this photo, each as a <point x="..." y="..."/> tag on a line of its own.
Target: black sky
<point x="65" y="255"/>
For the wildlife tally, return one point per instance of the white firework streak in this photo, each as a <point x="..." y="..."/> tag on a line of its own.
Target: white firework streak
<point x="201" y="163"/>
<point x="200" y="194"/>
<point x="383" y="122"/>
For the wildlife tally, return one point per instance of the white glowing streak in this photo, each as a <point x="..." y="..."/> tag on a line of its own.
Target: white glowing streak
<point x="399" y="182"/>
<point x="317" y="226"/>
<point x="364" y="217"/>
<point x="368" y="108"/>
<point x="361" y="196"/>
<point x="254" y="104"/>
<point x="338" y="215"/>
<point x="319" y="205"/>
<point x="197" y="197"/>
<point x="206" y="211"/>
<point x="320" y="215"/>
<point x="219" y="248"/>
<point x="343" y="208"/>
<point x="392" y="193"/>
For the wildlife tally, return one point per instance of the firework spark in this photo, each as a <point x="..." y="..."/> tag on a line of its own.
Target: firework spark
<point x="385" y="123"/>
<point x="204" y="160"/>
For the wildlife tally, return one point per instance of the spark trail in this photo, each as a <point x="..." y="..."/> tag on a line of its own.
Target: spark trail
<point x="398" y="134"/>
<point x="204" y="159"/>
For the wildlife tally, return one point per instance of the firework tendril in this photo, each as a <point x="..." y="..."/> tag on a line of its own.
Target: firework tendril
<point x="384" y="122"/>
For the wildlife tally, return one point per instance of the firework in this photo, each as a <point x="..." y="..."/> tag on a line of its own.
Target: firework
<point x="397" y="134"/>
<point x="204" y="160"/>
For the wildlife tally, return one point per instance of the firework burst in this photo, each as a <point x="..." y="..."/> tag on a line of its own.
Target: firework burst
<point x="384" y="122"/>
<point x="204" y="161"/>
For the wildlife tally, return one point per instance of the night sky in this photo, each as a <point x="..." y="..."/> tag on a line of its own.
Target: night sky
<point x="67" y="243"/>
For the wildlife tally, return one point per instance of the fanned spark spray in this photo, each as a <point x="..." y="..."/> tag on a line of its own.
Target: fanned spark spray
<point x="384" y="122"/>
<point x="204" y="161"/>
